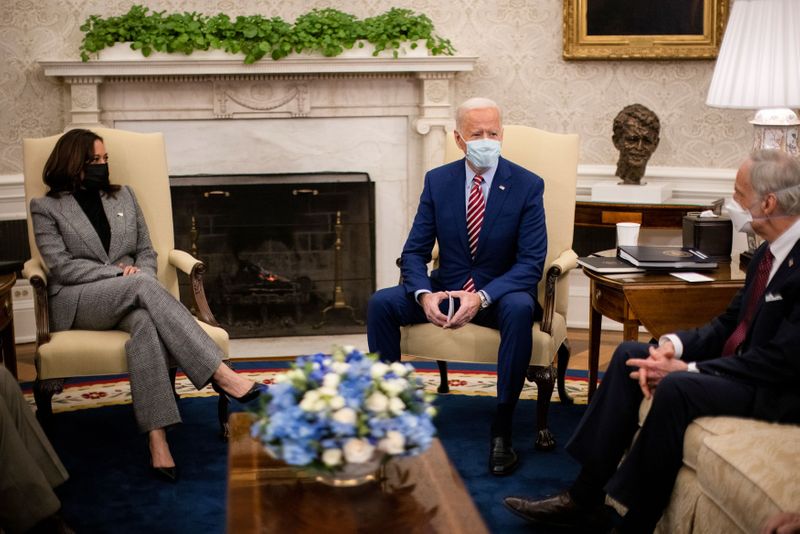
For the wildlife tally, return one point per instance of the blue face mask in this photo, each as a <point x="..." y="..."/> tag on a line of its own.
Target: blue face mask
<point x="483" y="153"/>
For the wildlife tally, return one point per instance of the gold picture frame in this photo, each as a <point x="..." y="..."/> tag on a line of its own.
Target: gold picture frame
<point x="626" y="29"/>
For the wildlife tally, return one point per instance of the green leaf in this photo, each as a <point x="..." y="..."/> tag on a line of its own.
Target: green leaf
<point x="328" y="31"/>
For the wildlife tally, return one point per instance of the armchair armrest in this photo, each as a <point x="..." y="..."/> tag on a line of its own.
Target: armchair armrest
<point x="188" y="264"/>
<point x="560" y="266"/>
<point x="34" y="272"/>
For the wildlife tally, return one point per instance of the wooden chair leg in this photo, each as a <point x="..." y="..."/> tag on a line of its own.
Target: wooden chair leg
<point x="43" y="391"/>
<point x="444" y="386"/>
<point x="563" y="362"/>
<point x="545" y="379"/>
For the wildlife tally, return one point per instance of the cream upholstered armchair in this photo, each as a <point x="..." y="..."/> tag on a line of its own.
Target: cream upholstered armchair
<point x="554" y="157"/>
<point x="138" y="160"/>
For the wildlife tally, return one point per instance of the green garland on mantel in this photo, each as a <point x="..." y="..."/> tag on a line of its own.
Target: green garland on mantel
<point x="326" y="31"/>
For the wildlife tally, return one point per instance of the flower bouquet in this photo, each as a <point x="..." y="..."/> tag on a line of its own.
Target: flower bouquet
<point x="342" y="414"/>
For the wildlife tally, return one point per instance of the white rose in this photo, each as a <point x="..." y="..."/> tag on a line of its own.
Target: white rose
<point x="332" y="457"/>
<point x="399" y="369"/>
<point x="328" y="392"/>
<point x="393" y="443"/>
<point x="377" y="402"/>
<point x="345" y="416"/>
<point x="336" y="402"/>
<point x="358" y="451"/>
<point x="331" y="381"/>
<point x="348" y="349"/>
<point x="379" y="369"/>
<point x="309" y="401"/>
<point x="340" y="368"/>
<point x="396" y="405"/>
<point x="394" y="387"/>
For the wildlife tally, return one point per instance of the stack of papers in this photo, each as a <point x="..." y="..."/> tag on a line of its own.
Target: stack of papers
<point x="666" y="258"/>
<point x="604" y="264"/>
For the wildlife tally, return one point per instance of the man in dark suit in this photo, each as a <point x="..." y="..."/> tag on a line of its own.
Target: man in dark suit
<point x="487" y="215"/>
<point x="743" y="363"/>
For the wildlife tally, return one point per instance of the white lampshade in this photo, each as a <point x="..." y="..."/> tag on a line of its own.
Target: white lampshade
<point x="759" y="60"/>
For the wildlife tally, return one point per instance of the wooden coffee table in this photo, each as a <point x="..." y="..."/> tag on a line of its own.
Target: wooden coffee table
<point x="419" y="494"/>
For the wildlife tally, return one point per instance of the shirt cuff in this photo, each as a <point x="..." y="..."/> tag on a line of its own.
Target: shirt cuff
<point x="676" y="342"/>
<point x="419" y="292"/>
<point x="692" y="367"/>
<point x="485" y="295"/>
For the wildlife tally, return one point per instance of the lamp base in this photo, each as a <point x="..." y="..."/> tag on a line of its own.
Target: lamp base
<point x="777" y="129"/>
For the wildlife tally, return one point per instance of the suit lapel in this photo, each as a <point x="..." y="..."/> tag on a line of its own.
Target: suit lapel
<point x="786" y="269"/>
<point x="116" y="222"/>
<point x="75" y="216"/>
<point x="501" y="188"/>
<point x="458" y="207"/>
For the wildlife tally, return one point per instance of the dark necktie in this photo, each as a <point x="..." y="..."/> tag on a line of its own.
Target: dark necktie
<point x="475" y="208"/>
<point x="759" y="284"/>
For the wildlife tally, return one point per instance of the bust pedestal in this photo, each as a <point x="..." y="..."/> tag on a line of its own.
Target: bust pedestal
<point x="631" y="193"/>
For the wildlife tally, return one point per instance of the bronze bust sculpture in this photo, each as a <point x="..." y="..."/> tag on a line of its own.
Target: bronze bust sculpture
<point x="636" y="136"/>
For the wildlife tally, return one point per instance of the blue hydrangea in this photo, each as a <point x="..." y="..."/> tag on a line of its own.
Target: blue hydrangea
<point x="301" y="418"/>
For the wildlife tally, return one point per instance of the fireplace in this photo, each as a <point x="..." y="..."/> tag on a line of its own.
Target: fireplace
<point x="289" y="254"/>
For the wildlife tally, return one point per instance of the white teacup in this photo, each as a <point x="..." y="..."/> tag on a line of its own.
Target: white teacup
<point x="627" y="234"/>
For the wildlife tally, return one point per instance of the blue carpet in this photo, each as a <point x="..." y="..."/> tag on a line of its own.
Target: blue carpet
<point x="110" y="489"/>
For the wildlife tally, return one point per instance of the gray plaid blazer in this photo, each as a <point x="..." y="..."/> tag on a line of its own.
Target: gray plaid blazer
<point x="73" y="253"/>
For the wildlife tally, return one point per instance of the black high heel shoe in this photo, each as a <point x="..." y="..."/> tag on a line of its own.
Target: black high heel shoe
<point x="166" y="474"/>
<point x="252" y="394"/>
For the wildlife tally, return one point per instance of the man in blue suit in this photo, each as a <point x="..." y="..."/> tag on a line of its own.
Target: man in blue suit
<point x="743" y="363"/>
<point x="487" y="215"/>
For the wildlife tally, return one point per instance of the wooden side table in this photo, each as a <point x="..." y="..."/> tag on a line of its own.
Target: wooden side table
<point x="8" y="350"/>
<point x="658" y="301"/>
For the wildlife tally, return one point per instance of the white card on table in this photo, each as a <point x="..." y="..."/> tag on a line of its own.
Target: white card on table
<point x="693" y="277"/>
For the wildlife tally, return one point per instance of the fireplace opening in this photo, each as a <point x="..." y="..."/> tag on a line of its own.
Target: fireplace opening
<point x="286" y="255"/>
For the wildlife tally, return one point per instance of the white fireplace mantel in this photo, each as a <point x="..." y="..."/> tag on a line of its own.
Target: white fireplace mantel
<point x="310" y="65"/>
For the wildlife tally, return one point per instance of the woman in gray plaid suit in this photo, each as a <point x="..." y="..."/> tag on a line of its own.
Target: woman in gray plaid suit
<point x="93" y="238"/>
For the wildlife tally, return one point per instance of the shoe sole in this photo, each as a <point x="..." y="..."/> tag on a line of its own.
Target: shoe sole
<point x="540" y="522"/>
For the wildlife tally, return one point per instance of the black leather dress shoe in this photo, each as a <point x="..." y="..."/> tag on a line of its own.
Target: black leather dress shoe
<point x="559" y="511"/>
<point x="502" y="458"/>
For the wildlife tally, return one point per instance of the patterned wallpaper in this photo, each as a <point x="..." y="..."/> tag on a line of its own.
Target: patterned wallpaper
<point x="518" y="43"/>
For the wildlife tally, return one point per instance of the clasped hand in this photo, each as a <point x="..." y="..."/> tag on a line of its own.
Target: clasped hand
<point x="470" y="303"/>
<point x="655" y="367"/>
<point x="128" y="270"/>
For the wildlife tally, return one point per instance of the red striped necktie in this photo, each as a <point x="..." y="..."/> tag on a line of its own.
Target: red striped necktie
<point x="759" y="285"/>
<point x="475" y="208"/>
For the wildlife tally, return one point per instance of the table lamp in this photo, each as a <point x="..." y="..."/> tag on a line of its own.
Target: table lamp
<point x="758" y="67"/>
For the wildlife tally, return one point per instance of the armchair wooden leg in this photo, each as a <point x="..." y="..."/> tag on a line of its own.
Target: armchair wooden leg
<point x="43" y="391"/>
<point x="545" y="380"/>
<point x="563" y="362"/>
<point x="444" y="386"/>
